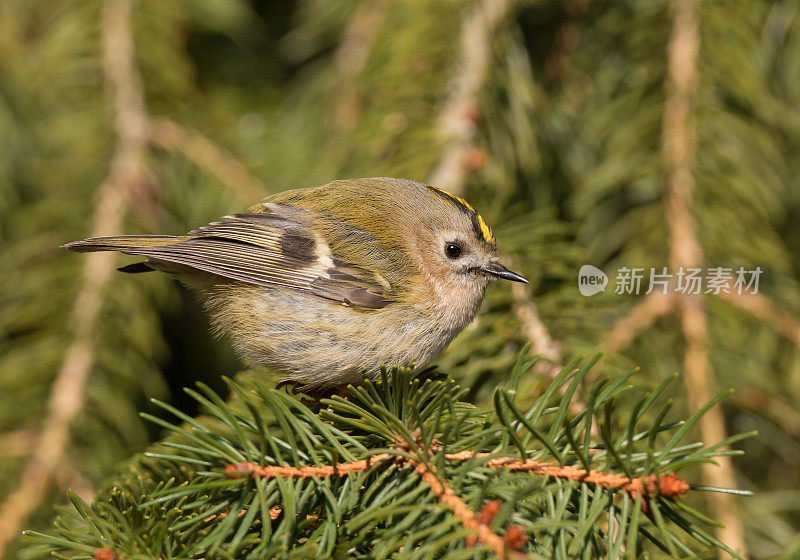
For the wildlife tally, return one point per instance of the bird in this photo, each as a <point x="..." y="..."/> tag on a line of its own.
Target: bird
<point x="330" y="284"/>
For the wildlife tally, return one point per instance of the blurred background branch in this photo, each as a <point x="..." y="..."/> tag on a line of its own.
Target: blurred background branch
<point x="457" y="124"/>
<point x="47" y="459"/>
<point x="636" y="134"/>
<point x="686" y="252"/>
<point x="198" y="149"/>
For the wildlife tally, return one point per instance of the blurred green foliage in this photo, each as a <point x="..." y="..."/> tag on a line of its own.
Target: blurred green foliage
<point x="569" y="122"/>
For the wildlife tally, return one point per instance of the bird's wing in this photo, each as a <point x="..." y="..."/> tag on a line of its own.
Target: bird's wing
<point x="273" y="248"/>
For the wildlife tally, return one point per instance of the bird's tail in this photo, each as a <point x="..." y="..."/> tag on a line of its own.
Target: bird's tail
<point x="131" y="244"/>
<point x="128" y="244"/>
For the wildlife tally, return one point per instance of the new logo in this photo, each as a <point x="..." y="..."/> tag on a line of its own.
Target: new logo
<point x="591" y="280"/>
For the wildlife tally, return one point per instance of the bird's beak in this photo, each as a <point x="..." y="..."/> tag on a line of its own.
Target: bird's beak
<point x="497" y="269"/>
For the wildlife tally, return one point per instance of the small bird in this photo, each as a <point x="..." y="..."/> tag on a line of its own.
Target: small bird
<point x="324" y="285"/>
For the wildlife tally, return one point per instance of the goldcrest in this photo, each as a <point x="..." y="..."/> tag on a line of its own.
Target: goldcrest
<point x="326" y="284"/>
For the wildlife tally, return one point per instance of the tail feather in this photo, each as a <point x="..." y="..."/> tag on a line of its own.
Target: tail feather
<point x="131" y="244"/>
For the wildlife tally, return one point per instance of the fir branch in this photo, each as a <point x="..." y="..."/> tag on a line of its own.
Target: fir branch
<point x="647" y="487"/>
<point x="643" y="315"/>
<point x="127" y="169"/>
<point x="535" y="330"/>
<point x="251" y="470"/>
<point x="18" y="442"/>
<point x="457" y="120"/>
<point x="351" y="56"/>
<point x="460" y="509"/>
<point x="761" y="307"/>
<point x="171" y="136"/>
<point x="273" y="486"/>
<point x="666" y="486"/>
<point x="678" y="151"/>
<point x="542" y="343"/>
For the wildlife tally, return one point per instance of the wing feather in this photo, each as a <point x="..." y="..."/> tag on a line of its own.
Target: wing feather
<point x="273" y="249"/>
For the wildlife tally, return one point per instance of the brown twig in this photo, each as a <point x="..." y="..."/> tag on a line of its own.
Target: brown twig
<point x="668" y="486"/>
<point x="198" y="149"/>
<point x="127" y="168"/>
<point x="678" y="153"/>
<point x="251" y="470"/>
<point x="638" y="320"/>
<point x="458" y="117"/>
<point x="460" y="509"/>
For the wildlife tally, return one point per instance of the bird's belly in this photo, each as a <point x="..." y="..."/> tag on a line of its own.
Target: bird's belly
<point x="319" y="343"/>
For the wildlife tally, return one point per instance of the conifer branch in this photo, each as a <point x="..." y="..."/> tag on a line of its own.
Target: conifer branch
<point x="17" y="442"/>
<point x="666" y="486"/>
<point x="643" y="315"/>
<point x="460" y="509"/>
<point x="427" y="472"/>
<point x="251" y="470"/>
<point x="535" y="330"/>
<point x="761" y="307"/>
<point x="542" y="343"/>
<point x="457" y="121"/>
<point x="678" y="153"/>
<point x="169" y="135"/>
<point x="127" y="169"/>
<point x="363" y="468"/>
<point x="352" y="55"/>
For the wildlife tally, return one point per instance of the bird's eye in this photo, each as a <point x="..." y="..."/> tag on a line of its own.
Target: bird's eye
<point x="452" y="250"/>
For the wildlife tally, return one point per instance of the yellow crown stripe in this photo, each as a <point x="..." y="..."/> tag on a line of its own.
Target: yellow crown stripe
<point x="485" y="230"/>
<point x="454" y="197"/>
<point x="488" y="236"/>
